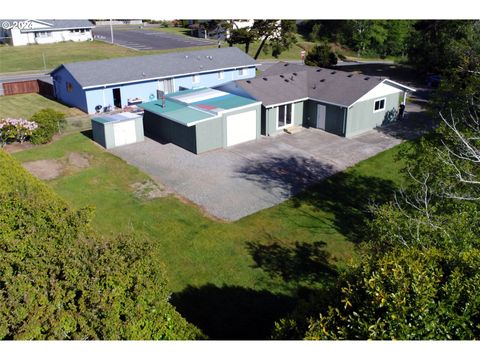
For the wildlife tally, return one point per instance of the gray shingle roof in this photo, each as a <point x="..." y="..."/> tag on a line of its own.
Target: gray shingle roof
<point x="332" y="86"/>
<point x="121" y="70"/>
<point x="277" y="89"/>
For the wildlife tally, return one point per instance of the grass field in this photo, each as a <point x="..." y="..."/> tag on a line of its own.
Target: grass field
<point x="29" y="58"/>
<point x="231" y="279"/>
<point x="25" y="105"/>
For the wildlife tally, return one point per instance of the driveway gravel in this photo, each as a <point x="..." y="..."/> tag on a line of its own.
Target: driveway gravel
<point x="241" y="180"/>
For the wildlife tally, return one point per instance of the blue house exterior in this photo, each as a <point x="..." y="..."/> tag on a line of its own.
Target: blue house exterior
<point x="125" y="81"/>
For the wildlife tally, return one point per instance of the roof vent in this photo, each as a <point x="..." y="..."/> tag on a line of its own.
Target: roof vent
<point x="314" y="87"/>
<point x="249" y="82"/>
<point x="143" y="74"/>
<point x="366" y="78"/>
<point x="295" y="74"/>
<point x="333" y="72"/>
<point x="265" y="79"/>
<point x="318" y="70"/>
<point x="286" y="80"/>
<point x="286" y="64"/>
<point x="323" y="80"/>
<point x="282" y="76"/>
<point x="210" y="57"/>
<point x="291" y="78"/>
<point x="186" y="56"/>
<point x="349" y="75"/>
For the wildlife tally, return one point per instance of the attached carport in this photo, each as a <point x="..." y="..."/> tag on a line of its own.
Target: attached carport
<point x="202" y="120"/>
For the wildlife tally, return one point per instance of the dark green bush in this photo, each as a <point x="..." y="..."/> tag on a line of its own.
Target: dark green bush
<point x="60" y="280"/>
<point x="49" y="122"/>
<point x="321" y="55"/>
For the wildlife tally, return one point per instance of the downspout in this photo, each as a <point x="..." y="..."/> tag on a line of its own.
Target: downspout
<point x="345" y="116"/>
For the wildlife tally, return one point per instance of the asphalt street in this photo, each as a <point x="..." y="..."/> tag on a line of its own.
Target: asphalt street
<point x="145" y="39"/>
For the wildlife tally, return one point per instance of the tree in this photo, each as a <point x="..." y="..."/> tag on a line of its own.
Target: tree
<point x="438" y="46"/>
<point x="242" y="36"/>
<point x="279" y="34"/>
<point x="417" y="276"/>
<point x="60" y="280"/>
<point x="321" y="55"/>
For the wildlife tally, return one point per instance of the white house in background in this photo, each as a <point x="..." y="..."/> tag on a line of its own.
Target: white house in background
<point x="25" y="32"/>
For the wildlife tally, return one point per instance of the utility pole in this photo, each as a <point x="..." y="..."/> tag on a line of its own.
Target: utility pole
<point x="111" y="29"/>
<point x="44" y="62"/>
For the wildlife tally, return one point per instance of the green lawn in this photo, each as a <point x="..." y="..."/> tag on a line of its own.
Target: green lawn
<point x="29" y="58"/>
<point x="25" y="105"/>
<point x="248" y="272"/>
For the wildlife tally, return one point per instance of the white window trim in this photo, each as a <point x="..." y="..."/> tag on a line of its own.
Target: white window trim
<point x="292" y="116"/>
<point x="221" y="75"/>
<point x="241" y="72"/>
<point x="384" y="104"/>
<point x="195" y="78"/>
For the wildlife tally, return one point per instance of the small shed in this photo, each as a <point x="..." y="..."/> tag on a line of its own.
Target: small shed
<point x="118" y="129"/>
<point x="202" y="120"/>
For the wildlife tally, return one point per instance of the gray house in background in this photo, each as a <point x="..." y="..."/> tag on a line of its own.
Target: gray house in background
<point x="339" y="102"/>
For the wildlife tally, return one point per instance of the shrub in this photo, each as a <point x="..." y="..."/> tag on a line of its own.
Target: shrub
<point x="15" y="129"/>
<point x="49" y="122"/>
<point x="321" y="55"/>
<point x="60" y="280"/>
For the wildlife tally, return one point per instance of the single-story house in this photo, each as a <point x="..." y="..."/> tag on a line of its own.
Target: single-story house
<point x="336" y="101"/>
<point x="117" y="83"/>
<point x="202" y="119"/>
<point x="25" y="32"/>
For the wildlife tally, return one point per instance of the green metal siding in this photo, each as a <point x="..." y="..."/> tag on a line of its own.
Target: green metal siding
<point x="362" y="118"/>
<point x="98" y="131"/>
<point x="209" y="135"/>
<point x="269" y="118"/>
<point x="164" y="130"/>
<point x="334" y="117"/>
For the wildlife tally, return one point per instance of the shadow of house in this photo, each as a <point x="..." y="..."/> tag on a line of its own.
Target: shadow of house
<point x="232" y="312"/>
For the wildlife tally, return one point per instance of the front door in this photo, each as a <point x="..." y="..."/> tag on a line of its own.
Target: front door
<point x="321" y="112"/>
<point x="117" y="98"/>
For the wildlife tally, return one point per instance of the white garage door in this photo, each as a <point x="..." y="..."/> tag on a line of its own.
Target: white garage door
<point x="241" y="127"/>
<point x="124" y="133"/>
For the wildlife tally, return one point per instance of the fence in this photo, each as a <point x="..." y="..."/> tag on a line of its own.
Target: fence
<point x="27" y="87"/>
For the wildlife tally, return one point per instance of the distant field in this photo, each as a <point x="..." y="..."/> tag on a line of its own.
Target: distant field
<point x="30" y="57"/>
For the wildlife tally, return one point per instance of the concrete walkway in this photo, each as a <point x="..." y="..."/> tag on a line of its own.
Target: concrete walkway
<point x="241" y="180"/>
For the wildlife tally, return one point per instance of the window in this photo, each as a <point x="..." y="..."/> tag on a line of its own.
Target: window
<point x="241" y="72"/>
<point x="69" y="87"/>
<point x="284" y="116"/>
<point x="379" y="105"/>
<point x="196" y="79"/>
<point x="221" y="75"/>
<point x="42" y="34"/>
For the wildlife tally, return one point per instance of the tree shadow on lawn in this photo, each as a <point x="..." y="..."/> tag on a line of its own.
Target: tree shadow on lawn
<point x="302" y="262"/>
<point x="347" y="195"/>
<point x="232" y="312"/>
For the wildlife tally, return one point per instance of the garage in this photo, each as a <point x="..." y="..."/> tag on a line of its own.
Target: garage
<point x="202" y="120"/>
<point x="117" y="130"/>
<point x="241" y="127"/>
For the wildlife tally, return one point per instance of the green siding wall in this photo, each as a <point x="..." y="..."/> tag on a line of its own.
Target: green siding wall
<point x="269" y="118"/>
<point x="334" y="117"/>
<point x="209" y="135"/>
<point x="164" y="130"/>
<point x="362" y="118"/>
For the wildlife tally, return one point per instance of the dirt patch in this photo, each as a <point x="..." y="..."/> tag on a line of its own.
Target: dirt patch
<point x="148" y="190"/>
<point x="45" y="169"/>
<point x="16" y="147"/>
<point x="79" y="160"/>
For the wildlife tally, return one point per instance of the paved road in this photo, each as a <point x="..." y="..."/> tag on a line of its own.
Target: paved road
<point x="145" y="39"/>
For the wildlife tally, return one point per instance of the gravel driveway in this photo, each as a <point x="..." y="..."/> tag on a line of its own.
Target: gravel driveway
<point x="243" y="179"/>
